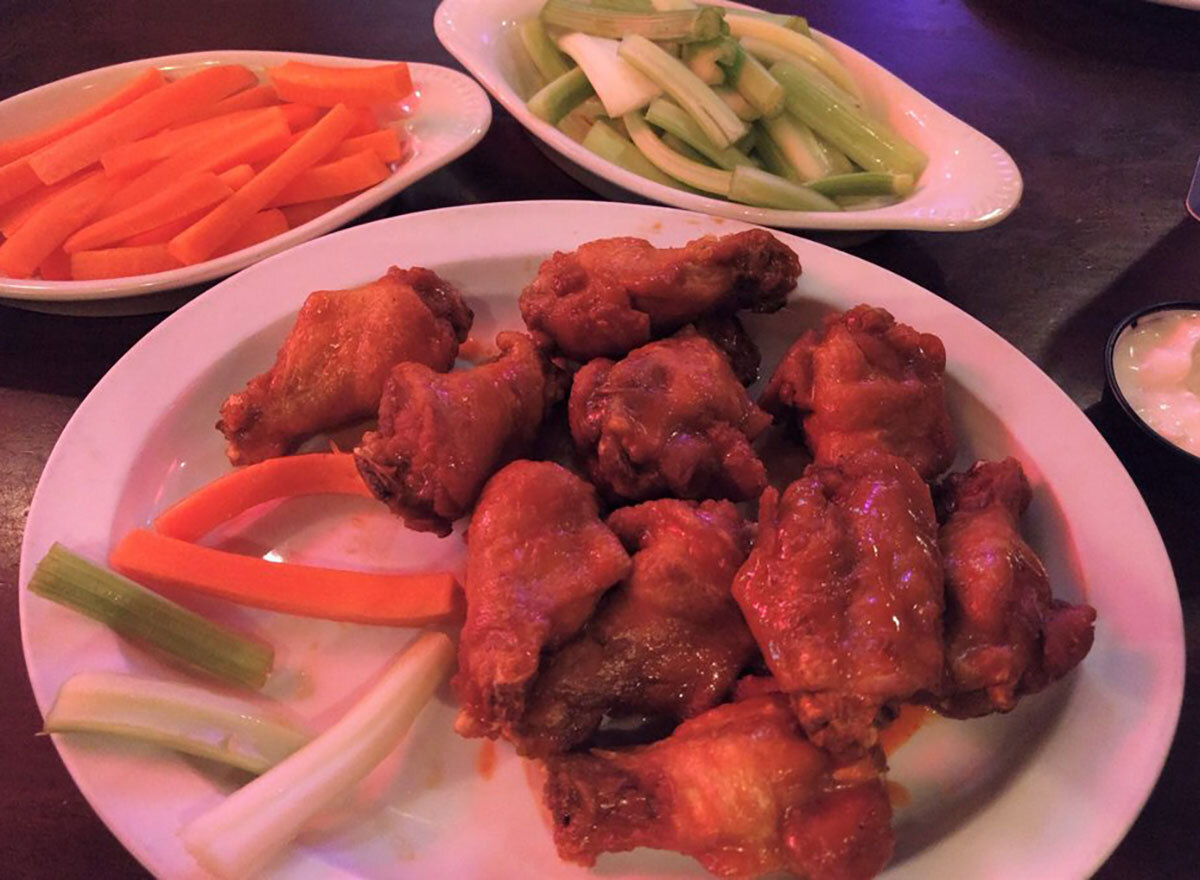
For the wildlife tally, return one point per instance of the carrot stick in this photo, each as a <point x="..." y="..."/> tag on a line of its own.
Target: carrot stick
<point x="198" y="242"/>
<point x="228" y="496"/>
<point x="16" y="179"/>
<point x="187" y="195"/>
<point x="136" y="157"/>
<point x="144" y="82"/>
<point x="56" y="267"/>
<point x="352" y="86"/>
<point x="164" y="233"/>
<point x="416" y="599"/>
<point x="16" y="212"/>
<point x="252" y="141"/>
<point x="261" y="226"/>
<point x="365" y="122"/>
<point x="349" y="175"/>
<point x="301" y="116"/>
<point x="121" y="262"/>
<point x="52" y="224"/>
<point x="151" y="112"/>
<point x="237" y="176"/>
<point x="384" y="143"/>
<point x="261" y="95"/>
<point x="302" y="212"/>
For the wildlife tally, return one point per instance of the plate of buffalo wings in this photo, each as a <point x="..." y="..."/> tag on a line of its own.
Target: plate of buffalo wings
<point x="771" y="560"/>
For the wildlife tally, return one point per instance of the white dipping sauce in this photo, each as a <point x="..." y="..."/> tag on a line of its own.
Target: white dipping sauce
<point x="1156" y="362"/>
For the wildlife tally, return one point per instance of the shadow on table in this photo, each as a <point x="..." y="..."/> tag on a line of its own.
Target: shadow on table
<point x="1122" y="31"/>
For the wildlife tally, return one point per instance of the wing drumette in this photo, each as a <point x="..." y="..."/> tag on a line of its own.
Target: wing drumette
<point x="866" y="382"/>
<point x="538" y="559"/>
<point x="843" y="591"/>
<point x="670" y="418"/>
<point x="670" y="641"/>
<point x="441" y="436"/>
<point x="331" y="368"/>
<point x="739" y="788"/>
<point x="609" y="296"/>
<point x="1005" y="633"/>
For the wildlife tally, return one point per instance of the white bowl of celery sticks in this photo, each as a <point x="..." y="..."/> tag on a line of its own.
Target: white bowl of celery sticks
<point x="720" y="108"/>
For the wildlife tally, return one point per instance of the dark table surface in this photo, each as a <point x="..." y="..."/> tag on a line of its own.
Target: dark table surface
<point x="1098" y="101"/>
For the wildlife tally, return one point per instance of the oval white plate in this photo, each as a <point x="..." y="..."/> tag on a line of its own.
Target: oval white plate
<point x="449" y="116"/>
<point x="970" y="182"/>
<point x="1044" y="792"/>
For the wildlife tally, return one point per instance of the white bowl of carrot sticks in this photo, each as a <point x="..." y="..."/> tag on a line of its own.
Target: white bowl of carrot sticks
<point x="168" y="172"/>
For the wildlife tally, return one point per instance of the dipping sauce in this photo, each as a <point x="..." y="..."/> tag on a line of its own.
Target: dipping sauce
<point x="1156" y="363"/>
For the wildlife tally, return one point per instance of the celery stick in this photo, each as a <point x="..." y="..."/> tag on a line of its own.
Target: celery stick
<point x="772" y="157"/>
<point x="769" y="53"/>
<point x="864" y="183"/>
<point x="561" y="96"/>
<point x="182" y="717"/>
<point x="713" y="115"/>
<point x="574" y="125"/>
<point x="603" y="140"/>
<point x="624" y="5"/>
<point x="545" y="55"/>
<point x="792" y="41"/>
<point x="796" y="23"/>
<point x="670" y="162"/>
<point x="619" y="85"/>
<point x="838" y="162"/>
<point x="666" y="5"/>
<point x="141" y="616"/>
<point x="685" y="25"/>
<point x="241" y="834"/>
<point x="746" y="74"/>
<point x="681" y="147"/>
<point x="707" y="60"/>
<point x="753" y="186"/>
<point x="798" y="145"/>
<point x="671" y="118"/>
<point x="871" y="143"/>
<point x="737" y="103"/>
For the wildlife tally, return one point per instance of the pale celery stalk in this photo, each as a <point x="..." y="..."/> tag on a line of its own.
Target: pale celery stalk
<point x="603" y="140"/>
<point x="708" y="60"/>
<point x="753" y="186"/>
<point x="619" y="85"/>
<point x="772" y="157"/>
<point x="796" y="43"/>
<point x="144" y="617"/>
<point x="681" y="147"/>
<point x="670" y="118"/>
<point x="793" y="22"/>
<point x="545" y="55"/>
<point x="746" y="74"/>
<point x="574" y="125"/>
<point x="241" y="834"/>
<point x="712" y="114"/>
<point x="560" y="97"/>
<point x="742" y="108"/>
<point x="625" y="5"/>
<point x="769" y="53"/>
<point x="668" y="5"/>
<point x="685" y="25"/>
<point x="182" y="717"/>
<point x="669" y="162"/>
<point x="869" y="142"/>
<point x="799" y="146"/>
<point x="839" y="163"/>
<point x="864" y="183"/>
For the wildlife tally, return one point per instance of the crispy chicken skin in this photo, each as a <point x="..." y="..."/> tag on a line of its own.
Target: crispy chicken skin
<point x="1005" y="634"/>
<point x="441" y="436"/>
<point x="843" y="592"/>
<point x="611" y="295"/>
<point x="739" y="788"/>
<point x="865" y="381"/>
<point x="726" y="332"/>
<point x="331" y="369"/>
<point x="669" y="419"/>
<point x="669" y="641"/>
<point x="538" y="559"/>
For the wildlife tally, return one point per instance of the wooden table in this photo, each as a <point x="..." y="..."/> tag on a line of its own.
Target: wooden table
<point x="1097" y="100"/>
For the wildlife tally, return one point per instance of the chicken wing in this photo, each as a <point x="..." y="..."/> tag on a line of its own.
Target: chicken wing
<point x="865" y="381"/>
<point x="609" y="296"/>
<point x="538" y="559"/>
<point x="441" y="436"/>
<point x="670" y="641"/>
<point x="671" y="418"/>
<point x="1005" y="634"/>
<point x="843" y="592"/>
<point x="331" y="368"/>
<point x="739" y="788"/>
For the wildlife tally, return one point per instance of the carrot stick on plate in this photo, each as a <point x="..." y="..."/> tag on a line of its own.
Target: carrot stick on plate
<point x="261" y="226"/>
<point x="347" y="175"/>
<point x="52" y="224"/>
<point x="353" y="86"/>
<point x="301" y="213"/>
<point x="253" y="98"/>
<point x="121" y="262"/>
<point x="16" y="179"/>
<point x="384" y="143"/>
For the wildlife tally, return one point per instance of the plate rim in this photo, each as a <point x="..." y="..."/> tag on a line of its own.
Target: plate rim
<point x="477" y="114"/>
<point x="1006" y="196"/>
<point x="1156" y="753"/>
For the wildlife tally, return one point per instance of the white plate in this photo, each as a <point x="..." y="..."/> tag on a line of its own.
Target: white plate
<point x="1044" y="792"/>
<point x="449" y="116"/>
<point x="970" y="182"/>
